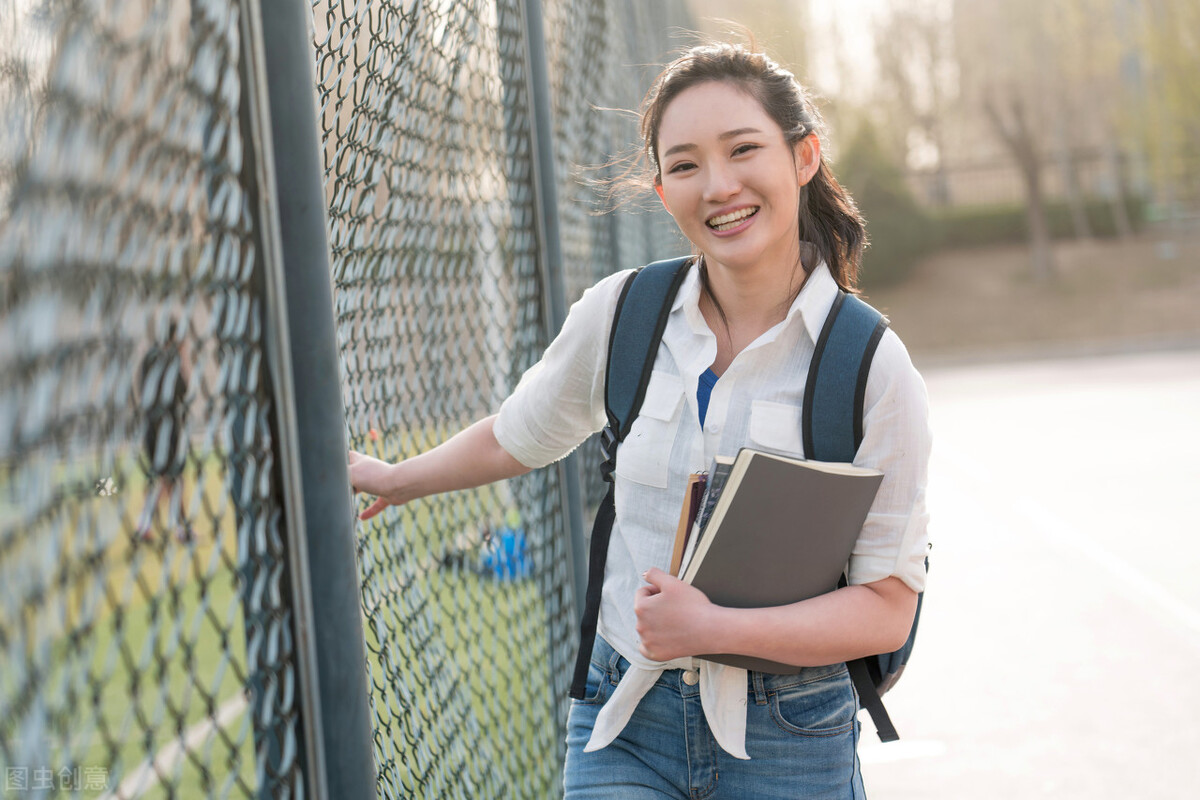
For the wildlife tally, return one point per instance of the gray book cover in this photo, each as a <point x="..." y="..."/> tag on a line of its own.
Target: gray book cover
<point x="782" y="531"/>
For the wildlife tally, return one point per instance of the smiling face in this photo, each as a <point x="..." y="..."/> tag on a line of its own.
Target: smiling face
<point x="730" y="179"/>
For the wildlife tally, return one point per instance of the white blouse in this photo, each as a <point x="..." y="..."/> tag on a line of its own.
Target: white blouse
<point x="559" y="402"/>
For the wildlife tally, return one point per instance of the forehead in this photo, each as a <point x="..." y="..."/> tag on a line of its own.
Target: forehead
<point x="708" y="109"/>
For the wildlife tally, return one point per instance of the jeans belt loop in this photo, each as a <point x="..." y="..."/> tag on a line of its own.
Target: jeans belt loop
<point x="614" y="667"/>
<point x="760" y="690"/>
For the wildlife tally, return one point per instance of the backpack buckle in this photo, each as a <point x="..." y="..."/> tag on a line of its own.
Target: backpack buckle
<point x="608" y="450"/>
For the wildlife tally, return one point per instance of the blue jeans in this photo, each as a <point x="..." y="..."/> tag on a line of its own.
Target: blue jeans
<point x="801" y="734"/>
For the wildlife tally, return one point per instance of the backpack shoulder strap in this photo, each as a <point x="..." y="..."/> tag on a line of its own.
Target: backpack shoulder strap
<point x="639" y="320"/>
<point x="638" y="325"/>
<point x="832" y="419"/>
<point x="832" y="427"/>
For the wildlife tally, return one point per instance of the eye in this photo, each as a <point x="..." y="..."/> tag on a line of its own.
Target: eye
<point x="682" y="166"/>
<point x="742" y="149"/>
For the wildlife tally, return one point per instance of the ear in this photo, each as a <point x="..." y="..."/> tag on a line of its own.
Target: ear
<point x="659" y="191"/>
<point x="807" y="155"/>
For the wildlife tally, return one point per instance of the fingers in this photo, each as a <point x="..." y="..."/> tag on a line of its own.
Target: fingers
<point x="656" y="578"/>
<point x="379" y="505"/>
<point x="361" y="468"/>
<point x="353" y="457"/>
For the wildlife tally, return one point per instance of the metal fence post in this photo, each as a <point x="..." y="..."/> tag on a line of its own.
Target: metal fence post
<point x="331" y="652"/>
<point x="550" y="262"/>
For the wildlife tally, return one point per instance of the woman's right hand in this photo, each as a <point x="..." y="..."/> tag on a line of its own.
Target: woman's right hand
<point x="374" y="477"/>
<point x="470" y="458"/>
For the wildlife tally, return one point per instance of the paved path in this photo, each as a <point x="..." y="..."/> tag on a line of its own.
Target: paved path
<point x="1059" y="654"/>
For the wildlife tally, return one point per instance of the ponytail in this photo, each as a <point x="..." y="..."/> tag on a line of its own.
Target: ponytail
<point x="831" y="222"/>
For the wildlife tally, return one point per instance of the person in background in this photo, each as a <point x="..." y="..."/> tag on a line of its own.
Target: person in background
<point x="161" y="391"/>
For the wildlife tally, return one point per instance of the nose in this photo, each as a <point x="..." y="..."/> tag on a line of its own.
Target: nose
<point x="722" y="183"/>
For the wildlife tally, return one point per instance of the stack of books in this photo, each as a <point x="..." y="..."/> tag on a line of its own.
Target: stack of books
<point x="760" y="529"/>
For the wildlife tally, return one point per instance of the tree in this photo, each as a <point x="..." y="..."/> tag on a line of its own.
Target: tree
<point x="897" y="227"/>
<point x="1010" y="120"/>
<point x="1163" y="57"/>
<point x="1006" y="54"/>
<point x="917" y="78"/>
<point x="1096" y="63"/>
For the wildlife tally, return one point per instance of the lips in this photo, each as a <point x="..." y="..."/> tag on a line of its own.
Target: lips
<point x="726" y="222"/>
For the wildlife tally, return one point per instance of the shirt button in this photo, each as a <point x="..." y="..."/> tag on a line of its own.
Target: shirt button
<point x="714" y="428"/>
<point x="691" y="677"/>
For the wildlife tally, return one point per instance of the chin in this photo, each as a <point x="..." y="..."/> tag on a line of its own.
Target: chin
<point x="733" y="257"/>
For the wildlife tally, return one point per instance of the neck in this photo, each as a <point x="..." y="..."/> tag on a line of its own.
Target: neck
<point x="759" y="296"/>
<point x="743" y="306"/>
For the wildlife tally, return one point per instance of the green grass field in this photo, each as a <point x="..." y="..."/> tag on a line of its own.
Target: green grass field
<point x="138" y="647"/>
<point x="130" y="646"/>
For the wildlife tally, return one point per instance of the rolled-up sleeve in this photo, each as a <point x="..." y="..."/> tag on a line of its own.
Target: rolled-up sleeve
<point x="897" y="441"/>
<point x="559" y="401"/>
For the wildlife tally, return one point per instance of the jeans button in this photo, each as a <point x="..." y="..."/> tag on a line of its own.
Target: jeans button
<point x="691" y="677"/>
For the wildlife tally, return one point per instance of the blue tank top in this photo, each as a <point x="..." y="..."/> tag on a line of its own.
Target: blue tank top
<point x="708" y="379"/>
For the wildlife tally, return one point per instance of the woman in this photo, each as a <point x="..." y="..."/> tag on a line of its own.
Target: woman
<point x="733" y="144"/>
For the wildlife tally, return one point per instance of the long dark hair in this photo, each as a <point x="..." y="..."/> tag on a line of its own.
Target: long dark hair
<point x="829" y="219"/>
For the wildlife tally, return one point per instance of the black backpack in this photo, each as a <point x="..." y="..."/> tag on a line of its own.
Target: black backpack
<point x="831" y="429"/>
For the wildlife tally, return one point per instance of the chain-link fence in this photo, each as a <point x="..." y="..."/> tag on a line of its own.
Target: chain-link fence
<point x="441" y="305"/>
<point x="148" y="622"/>
<point x="603" y="57"/>
<point x="146" y="646"/>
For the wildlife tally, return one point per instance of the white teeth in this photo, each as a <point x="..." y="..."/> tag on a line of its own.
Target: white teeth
<point x="730" y="220"/>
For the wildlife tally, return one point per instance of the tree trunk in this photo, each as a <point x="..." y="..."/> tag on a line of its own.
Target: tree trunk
<point x="1040" y="251"/>
<point x="1074" y="195"/>
<point x="1120" y="192"/>
<point x="1014" y="130"/>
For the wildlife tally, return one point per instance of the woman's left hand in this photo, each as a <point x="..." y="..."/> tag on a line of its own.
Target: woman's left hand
<point x="672" y="617"/>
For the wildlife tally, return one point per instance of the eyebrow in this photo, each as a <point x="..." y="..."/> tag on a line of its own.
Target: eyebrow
<point x="726" y="135"/>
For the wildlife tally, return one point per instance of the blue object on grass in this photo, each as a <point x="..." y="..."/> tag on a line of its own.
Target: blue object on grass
<point x="506" y="554"/>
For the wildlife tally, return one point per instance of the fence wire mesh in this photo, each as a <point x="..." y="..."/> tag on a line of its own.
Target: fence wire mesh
<point x="146" y="627"/>
<point x="144" y="632"/>
<point x="603" y="57"/>
<point x="440" y="307"/>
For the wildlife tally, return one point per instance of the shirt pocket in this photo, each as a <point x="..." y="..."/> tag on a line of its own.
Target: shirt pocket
<point x="775" y="427"/>
<point x="645" y="455"/>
